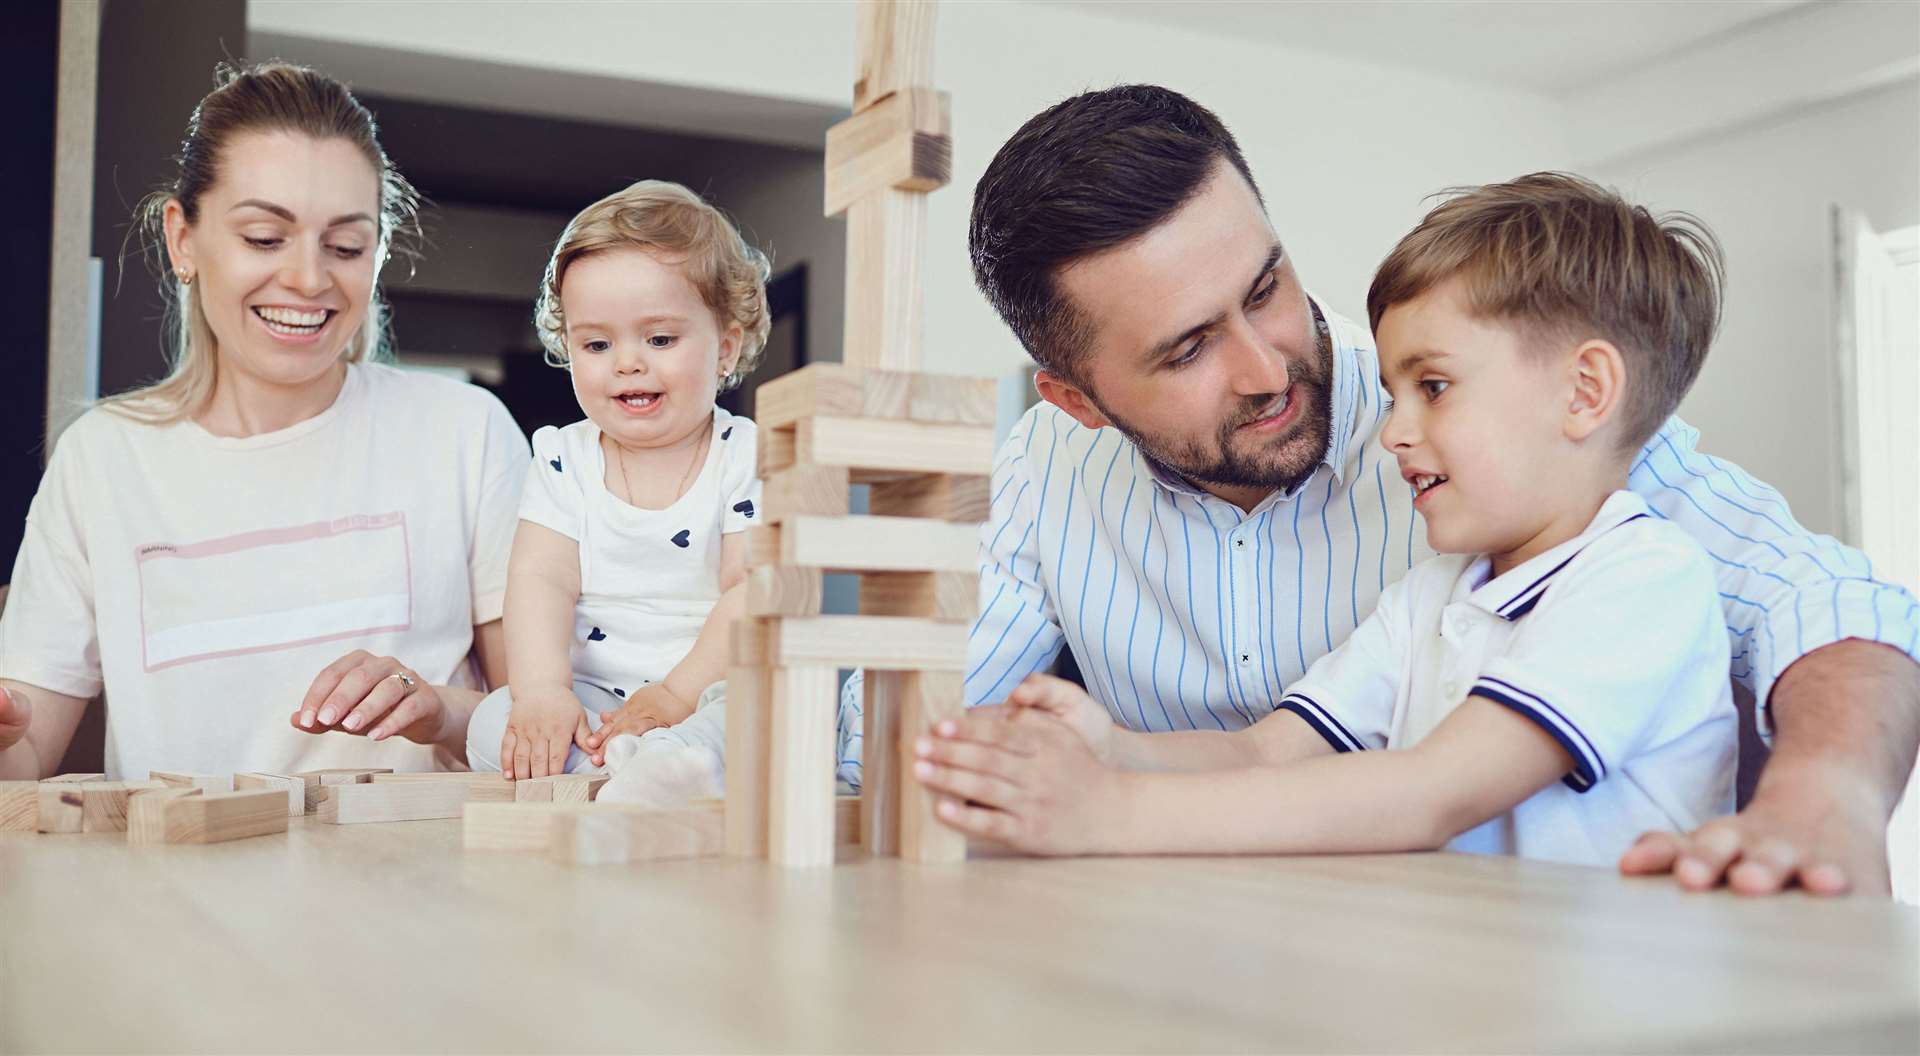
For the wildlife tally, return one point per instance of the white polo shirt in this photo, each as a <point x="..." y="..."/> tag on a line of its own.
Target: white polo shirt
<point x="1613" y="642"/>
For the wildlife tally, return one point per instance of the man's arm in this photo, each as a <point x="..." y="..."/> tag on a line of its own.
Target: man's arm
<point x="1017" y="631"/>
<point x="1827" y="652"/>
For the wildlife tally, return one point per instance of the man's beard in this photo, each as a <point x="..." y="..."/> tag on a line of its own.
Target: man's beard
<point x="1301" y="450"/>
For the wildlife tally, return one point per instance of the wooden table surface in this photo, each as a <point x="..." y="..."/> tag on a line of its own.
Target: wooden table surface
<point x="390" y="938"/>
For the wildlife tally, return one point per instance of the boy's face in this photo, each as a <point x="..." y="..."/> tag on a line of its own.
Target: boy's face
<point x="1477" y="424"/>
<point x="647" y="354"/>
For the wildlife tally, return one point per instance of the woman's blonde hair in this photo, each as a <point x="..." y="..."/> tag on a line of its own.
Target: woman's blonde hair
<point x="670" y="221"/>
<point x="268" y="97"/>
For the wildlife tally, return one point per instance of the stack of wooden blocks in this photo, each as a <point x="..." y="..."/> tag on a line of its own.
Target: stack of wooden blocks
<point x="923" y="445"/>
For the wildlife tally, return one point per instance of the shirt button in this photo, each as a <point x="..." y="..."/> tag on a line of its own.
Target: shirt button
<point x="1244" y="658"/>
<point x="1239" y="542"/>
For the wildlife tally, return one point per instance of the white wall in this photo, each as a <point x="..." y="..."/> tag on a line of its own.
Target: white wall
<point x="1344" y="152"/>
<point x="1766" y="397"/>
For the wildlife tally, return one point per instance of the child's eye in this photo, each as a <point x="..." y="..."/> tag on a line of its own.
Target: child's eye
<point x="1433" y="387"/>
<point x="595" y="345"/>
<point x="662" y="340"/>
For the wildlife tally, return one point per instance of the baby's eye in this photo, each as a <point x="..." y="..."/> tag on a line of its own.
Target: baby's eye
<point x="595" y="345"/>
<point x="1433" y="387"/>
<point x="662" y="340"/>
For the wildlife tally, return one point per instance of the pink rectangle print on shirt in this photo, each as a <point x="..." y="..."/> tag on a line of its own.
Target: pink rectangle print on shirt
<point x="276" y="588"/>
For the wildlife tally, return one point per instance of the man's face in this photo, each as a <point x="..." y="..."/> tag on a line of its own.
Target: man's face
<point x="1204" y="350"/>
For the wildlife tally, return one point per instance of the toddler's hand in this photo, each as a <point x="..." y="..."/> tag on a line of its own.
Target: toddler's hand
<point x="541" y="728"/>
<point x="1071" y="705"/>
<point x="650" y="706"/>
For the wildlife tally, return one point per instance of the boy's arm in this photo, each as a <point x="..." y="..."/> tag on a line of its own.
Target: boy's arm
<point x="1034" y="785"/>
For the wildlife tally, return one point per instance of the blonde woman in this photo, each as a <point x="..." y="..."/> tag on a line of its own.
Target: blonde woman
<point x="286" y="554"/>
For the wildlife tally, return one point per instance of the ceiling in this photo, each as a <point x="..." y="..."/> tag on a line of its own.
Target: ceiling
<point x="1552" y="47"/>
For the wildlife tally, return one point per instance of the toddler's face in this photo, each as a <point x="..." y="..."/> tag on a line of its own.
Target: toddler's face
<point x="647" y="353"/>
<point x="1476" y="423"/>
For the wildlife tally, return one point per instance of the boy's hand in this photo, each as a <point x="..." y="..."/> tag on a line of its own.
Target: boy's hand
<point x="650" y="706"/>
<point x="541" y="728"/>
<point x="1022" y="778"/>
<point x="16" y="713"/>
<point x="1071" y="705"/>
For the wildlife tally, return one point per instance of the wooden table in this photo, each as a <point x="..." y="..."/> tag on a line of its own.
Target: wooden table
<point x="390" y="938"/>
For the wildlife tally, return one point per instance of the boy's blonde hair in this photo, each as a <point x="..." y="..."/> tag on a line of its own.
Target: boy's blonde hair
<point x="669" y="221"/>
<point x="1563" y="257"/>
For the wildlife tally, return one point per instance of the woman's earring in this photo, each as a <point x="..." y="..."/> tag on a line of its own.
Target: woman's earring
<point x="186" y="277"/>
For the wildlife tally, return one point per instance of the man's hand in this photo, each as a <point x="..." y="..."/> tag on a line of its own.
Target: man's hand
<point x="542" y="728"/>
<point x="649" y="707"/>
<point x="1822" y="830"/>
<point x="1022" y="778"/>
<point x="1071" y="705"/>
<point x="16" y="714"/>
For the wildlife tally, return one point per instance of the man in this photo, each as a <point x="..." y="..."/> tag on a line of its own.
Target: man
<point x="1201" y="507"/>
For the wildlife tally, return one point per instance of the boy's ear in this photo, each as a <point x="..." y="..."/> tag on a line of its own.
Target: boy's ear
<point x="1068" y="397"/>
<point x="1599" y="375"/>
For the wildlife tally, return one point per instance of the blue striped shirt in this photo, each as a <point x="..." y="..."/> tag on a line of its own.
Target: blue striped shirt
<point x="1186" y="612"/>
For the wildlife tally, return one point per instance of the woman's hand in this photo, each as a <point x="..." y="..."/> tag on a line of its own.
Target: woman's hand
<point x="542" y="727"/>
<point x="374" y="696"/>
<point x="650" y="706"/>
<point x="16" y="713"/>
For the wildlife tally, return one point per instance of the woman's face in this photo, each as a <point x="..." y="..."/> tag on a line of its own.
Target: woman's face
<point x="282" y="254"/>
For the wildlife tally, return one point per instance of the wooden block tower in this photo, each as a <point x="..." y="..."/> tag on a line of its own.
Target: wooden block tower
<point x="923" y="445"/>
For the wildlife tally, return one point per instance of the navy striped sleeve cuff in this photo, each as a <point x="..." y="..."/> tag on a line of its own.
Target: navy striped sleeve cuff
<point x="1322" y="722"/>
<point x="1588" y="767"/>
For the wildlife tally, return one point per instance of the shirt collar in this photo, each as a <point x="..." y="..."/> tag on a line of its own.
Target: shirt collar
<point x="1515" y="593"/>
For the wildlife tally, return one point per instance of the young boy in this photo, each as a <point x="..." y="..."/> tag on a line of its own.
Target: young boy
<point x="1555" y="682"/>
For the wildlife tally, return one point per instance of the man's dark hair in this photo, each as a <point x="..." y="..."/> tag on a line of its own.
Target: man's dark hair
<point x="1085" y="175"/>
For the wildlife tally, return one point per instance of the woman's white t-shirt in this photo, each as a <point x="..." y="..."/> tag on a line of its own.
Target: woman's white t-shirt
<point x="204" y="581"/>
<point x="648" y="578"/>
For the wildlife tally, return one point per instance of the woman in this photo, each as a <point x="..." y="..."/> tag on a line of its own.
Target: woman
<point x="199" y="549"/>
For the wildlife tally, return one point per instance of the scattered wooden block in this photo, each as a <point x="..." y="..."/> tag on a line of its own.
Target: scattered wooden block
<point x="103" y="804"/>
<point x="880" y="448"/>
<point x="147" y="813"/>
<point x="19" y="806"/>
<point x="211" y="817"/>
<point x="943" y="596"/>
<point x="865" y="544"/>
<point x="203" y="782"/>
<point x="294" y="788"/>
<point x="511" y="826"/>
<point x="926" y="697"/>
<point x="497" y="789"/>
<point x="903" y="142"/>
<point x="559" y="788"/>
<point x="894" y="39"/>
<point x="481" y="788"/>
<point x="802" y="490"/>
<point x="320" y="783"/>
<point x="784" y="591"/>
<point x="61" y="807"/>
<point x="934" y="496"/>
<point x="362" y="803"/>
<point x="883" y="643"/>
<point x="800" y="813"/>
<point x="612" y="835"/>
<point x="748" y="718"/>
<point x="72" y="779"/>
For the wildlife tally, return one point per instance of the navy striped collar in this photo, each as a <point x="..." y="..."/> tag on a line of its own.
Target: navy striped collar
<point x="1515" y="593"/>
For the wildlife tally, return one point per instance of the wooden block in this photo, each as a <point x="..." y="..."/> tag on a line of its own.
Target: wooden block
<point x="295" y="788"/>
<point x="800" y="490"/>
<point x="559" y="788"/>
<point x="212" y="817"/>
<point x="203" y="782"/>
<point x="884" y="643"/>
<point x="866" y="544"/>
<point x="61" y="807"/>
<point x="357" y="804"/>
<point x="19" y="806"/>
<point x="616" y="835"/>
<point x="780" y="591"/>
<point x="443" y="776"/>
<point x="496" y="789"/>
<point x="882" y="449"/>
<point x="147" y="813"/>
<point x="925" y="698"/>
<point x="510" y="826"/>
<point x="934" y="496"/>
<point x="320" y="783"/>
<point x="886" y="245"/>
<point x="894" y="47"/>
<point x="944" y="596"/>
<point x="773" y="449"/>
<point x="880" y="764"/>
<point x="800" y="781"/>
<point x="103" y="806"/>
<point x="73" y="779"/>
<point x="847" y="812"/>
<point x="953" y="398"/>
<point x="748" y="721"/>
<point x="841" y="391"/>
<point x="903" y="142"/>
